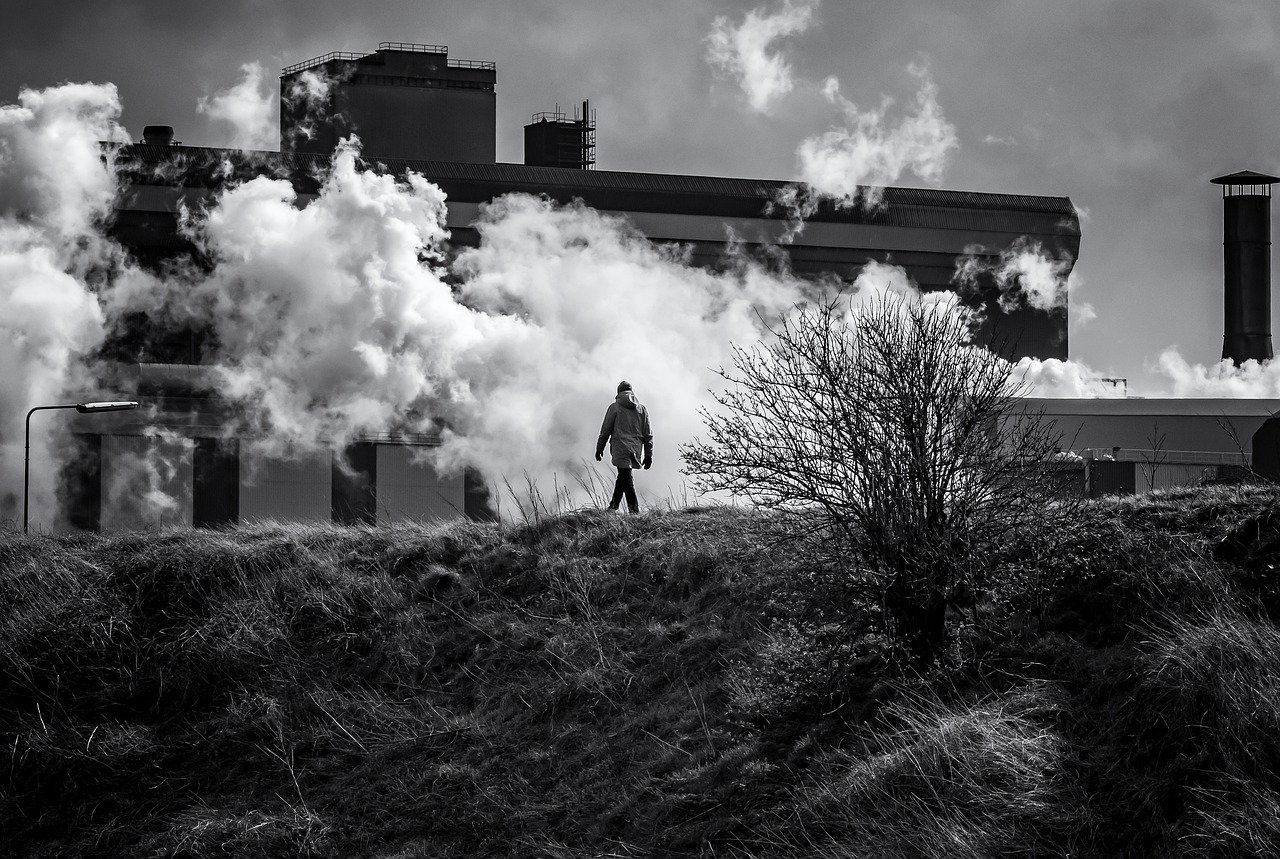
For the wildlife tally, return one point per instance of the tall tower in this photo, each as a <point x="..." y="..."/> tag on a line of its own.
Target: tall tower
<point x="405" y="100"/>
<point x="1246" y="265"/>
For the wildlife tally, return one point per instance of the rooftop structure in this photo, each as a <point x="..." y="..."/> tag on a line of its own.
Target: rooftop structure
<point x="554" y="140"/>
<point x="405" y="100"/>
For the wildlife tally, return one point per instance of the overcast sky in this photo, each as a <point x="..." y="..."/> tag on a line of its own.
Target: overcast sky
<point x="1128" y="107"/>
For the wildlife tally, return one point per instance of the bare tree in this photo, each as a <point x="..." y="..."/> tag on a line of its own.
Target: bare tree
<point x="1151" y="464"/>
<point x="903" y="446"/>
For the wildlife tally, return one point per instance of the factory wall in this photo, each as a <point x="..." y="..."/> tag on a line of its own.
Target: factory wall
<point x="445" y="124"/>
<point x="410" y="490"/>
<point x="405" y="101"/>
<point x="1209" y="425"/>
<point x="296" y="490"/>
<point x="148" y="482"/>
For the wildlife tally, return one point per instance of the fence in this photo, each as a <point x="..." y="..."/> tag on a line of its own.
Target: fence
<point x="1125" y="471"/>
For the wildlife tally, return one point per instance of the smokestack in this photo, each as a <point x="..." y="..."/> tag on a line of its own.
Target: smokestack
<point x="1246" y="265"/>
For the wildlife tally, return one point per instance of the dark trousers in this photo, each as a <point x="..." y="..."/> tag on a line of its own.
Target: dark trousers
<point x="624" y="486"/>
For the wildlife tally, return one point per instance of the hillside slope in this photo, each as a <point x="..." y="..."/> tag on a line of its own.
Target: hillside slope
<point x="661" y="685"/>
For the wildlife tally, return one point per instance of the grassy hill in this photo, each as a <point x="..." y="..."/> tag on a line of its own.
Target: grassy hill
<point x="672" y="684"/>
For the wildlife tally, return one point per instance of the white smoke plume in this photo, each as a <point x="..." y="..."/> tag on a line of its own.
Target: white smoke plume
<point x="1036" y="377"/>
<point x="1252" y="379"/>
<point x="248" y="107"/>
<point x="1052" y="377"/>
<point x="332" y="319"/>
<point x="853" y="163"/>
<point x="310" y="88"/>
<point x="308" y="99"/>
<point x="56" y="188"/>
<point x="1176" y="378"/>
<point x="146" y="480"/>
<point x="1026" y="273"/>
<point x="877" y="280"/>
<point x="1079" y="311"/>
<point x="341" y="318"/>
<point x="597" y="303"/>
<point x="743" y="51"/>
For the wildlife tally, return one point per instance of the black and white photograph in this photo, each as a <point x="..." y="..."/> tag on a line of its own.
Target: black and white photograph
<point x="726" y="429"/>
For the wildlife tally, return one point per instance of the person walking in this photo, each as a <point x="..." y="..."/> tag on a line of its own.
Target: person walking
<point x="626" y="428"/>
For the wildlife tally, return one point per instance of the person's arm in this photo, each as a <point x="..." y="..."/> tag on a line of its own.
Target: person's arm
<point x="647" y="438"/>
<point x="606" y="430"/>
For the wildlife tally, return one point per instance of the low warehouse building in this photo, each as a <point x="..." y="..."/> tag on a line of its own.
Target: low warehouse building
<point x="1134" y="444"/>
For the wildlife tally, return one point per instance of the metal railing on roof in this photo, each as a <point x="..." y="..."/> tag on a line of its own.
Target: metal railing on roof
<point x="472" y="64"/>
<point x="421" y="439"/>
<point x="391" y="46"/>
<point x="437" y="49"/>
<point x="413" y="46"/>
<point x="1165" y="457"/>
<point x="319" y="61"/>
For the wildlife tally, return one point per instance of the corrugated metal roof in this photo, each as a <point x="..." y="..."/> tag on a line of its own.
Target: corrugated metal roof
<point x="621" y="190"/>
<point x="1207" y="407"/>
<point x="671" y="183"/>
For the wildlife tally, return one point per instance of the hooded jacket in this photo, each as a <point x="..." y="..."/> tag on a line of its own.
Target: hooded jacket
<point x="626" y="428"/>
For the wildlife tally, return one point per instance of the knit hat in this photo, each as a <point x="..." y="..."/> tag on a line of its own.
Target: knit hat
<point x="624" y="386"/>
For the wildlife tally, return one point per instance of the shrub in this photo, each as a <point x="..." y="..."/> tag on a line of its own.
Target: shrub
<point x="903" y="445"/>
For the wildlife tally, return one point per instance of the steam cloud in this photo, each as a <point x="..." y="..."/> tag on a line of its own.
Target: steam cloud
<point x="850" y="163"/>
<point x="1223" y="379"/>
<point x="55" y="190"/>
<point x="853" y="163"/>
<point x="308" y="96"/>
<point x="1026" y="273"/>
<point x="248" y="107"/>
<point x="339" y="319"/>
<point x="742" y="52"/>
<point x="1051" y="377"/>
<point x="142" y="481"/>
<point x="345" y="317"/>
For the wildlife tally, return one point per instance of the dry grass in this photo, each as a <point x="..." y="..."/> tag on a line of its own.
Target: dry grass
<point x="670" y="684"/>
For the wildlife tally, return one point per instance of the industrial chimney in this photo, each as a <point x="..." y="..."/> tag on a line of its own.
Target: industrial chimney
<point x="1246" y="265"/>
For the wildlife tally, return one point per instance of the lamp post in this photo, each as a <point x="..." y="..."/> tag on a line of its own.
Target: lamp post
<point x="82" y="408"/>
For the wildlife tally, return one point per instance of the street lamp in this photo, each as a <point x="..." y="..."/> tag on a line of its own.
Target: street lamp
<point x="82" y="408"/>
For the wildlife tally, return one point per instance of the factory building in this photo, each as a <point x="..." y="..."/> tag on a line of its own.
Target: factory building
<point x="1130" y="445"/>
<point x="416" y="109"/>
<point x="1135" y="444"/>
<point x="923" y="230"/>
